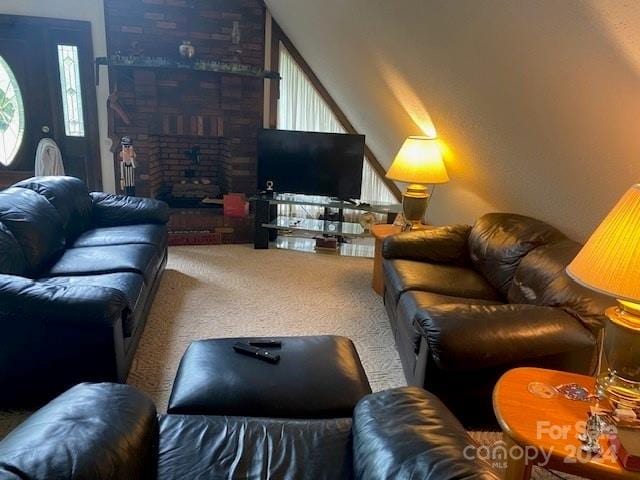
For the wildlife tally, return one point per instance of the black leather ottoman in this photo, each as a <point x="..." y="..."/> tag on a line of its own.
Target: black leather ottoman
<point x="317" y="377"/>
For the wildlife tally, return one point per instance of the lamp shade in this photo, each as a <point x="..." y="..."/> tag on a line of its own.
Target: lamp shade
<point x="419" y="160"/>
<point x="610" y="260"/>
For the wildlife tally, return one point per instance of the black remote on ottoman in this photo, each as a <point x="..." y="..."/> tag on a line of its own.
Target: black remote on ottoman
<point x="255" y="352"/>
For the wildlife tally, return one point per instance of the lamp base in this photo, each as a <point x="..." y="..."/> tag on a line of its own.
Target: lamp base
<point x="620" y="392"/>
<point x="621" y="384"/>
<point x="414" y="205"/>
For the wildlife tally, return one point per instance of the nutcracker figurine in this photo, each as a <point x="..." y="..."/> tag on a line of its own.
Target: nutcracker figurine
<point x="127" y="167"/>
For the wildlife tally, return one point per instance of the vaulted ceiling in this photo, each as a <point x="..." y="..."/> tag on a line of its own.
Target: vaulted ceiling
<point x="538" y="102"/>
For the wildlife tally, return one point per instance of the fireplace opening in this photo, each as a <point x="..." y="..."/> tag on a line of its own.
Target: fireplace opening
<point x="189" y="171"/>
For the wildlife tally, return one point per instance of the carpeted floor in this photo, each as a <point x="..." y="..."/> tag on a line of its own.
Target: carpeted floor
<point x="234" y="290"/>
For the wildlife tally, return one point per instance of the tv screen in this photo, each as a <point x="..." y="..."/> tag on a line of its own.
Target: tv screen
<point x="311" y="163"/>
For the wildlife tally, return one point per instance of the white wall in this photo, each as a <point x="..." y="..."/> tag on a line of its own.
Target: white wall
<point x="88" y="10"/>
<point x="538" y="101"/>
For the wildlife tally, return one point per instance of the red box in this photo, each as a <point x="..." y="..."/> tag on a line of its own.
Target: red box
<point x="235" y="205"/>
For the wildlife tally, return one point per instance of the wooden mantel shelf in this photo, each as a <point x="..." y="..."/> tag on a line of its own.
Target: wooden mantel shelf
<point x="226" y="68"/>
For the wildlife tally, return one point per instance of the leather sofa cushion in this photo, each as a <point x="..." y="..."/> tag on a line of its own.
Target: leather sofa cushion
<point x="317" y="377"/>
<point x="137" y="258"/>
<point x="130" y="284"/>
<point x="541" y="280"/>
<point x="197" y="447"/>
<point x="498" y="241"/>
<point x="35" y="224"/>
<point x="466" y="338"/>
<point x="101" y="431"/>
<point x="413" y="302"/>
<point x="405" y="275"/>
<point x="146" y="233"/>
<point x="111" y="210"/>
<point x="447" y="244"/>
<point x="69" y="196"/>
<point x="12" y="259"/>
<point x="407" y="433"/>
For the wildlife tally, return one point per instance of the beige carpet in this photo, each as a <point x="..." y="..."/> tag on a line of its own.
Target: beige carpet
<point x="234" y="290"/>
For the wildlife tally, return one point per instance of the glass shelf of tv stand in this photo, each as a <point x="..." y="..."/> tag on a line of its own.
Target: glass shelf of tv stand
<point x="319" y="227"/>
<point x="327" y="202"/>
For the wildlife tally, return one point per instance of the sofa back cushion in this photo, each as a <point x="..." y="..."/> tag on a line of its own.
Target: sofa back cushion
<point x="70" y="197"/>
<point x="498" y="241"/>
<point x="12" y="260"/>
<point x="111" y="210"/>
<point x="541" y="280"/>
<point x="34" y="223"/>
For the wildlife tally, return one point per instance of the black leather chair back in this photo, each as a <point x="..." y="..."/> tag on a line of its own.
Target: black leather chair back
<point x="541" y="280"/>
<point x="498" y="241"/>
<point x="91" y="432"/>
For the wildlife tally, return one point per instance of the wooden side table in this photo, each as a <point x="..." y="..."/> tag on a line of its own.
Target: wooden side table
<point x="380" y="232"/>
<point x="546" y="428"/>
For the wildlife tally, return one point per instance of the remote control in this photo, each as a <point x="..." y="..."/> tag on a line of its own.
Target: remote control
<point x="255" y="352"/>
<point x="266" y="343"/>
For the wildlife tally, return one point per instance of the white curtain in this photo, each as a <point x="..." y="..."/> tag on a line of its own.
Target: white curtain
<point x="301" y="107"/>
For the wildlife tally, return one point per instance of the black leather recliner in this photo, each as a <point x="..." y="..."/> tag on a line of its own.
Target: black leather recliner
<point x="78" y="273"/>
<point x="466" y="304"/>
<point x="111" y="432"/>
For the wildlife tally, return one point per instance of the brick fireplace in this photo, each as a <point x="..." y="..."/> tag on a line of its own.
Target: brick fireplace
<point x="194" y="131"/>
<point x="185" y="168"/>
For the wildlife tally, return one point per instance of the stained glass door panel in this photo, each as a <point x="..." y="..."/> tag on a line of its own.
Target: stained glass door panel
<point x="11" y="114"/>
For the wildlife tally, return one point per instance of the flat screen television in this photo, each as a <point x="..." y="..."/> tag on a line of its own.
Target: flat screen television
<point x="311" y="163"/>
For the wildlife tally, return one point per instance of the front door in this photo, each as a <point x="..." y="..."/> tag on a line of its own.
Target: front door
<point x="47" y="90"/>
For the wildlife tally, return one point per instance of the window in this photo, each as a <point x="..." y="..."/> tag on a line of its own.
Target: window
<point x="11" y="115"/>
<point x="301" y="107"/>
<point x="69" y="67"/>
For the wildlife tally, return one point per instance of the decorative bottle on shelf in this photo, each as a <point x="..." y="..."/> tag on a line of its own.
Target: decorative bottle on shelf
<point x="187" y="50"/>
<point x="235" y="33"/>
<point x="235" y="49"/>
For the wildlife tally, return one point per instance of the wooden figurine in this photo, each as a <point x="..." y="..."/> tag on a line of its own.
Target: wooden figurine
<point x="127" y="167"/>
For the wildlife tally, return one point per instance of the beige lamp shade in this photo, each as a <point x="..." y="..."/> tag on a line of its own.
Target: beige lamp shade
<point x="610" y="260"/>
<point x="419" y="160"/>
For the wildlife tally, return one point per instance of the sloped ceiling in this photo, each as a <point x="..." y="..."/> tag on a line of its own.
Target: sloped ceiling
<point x="538" y="102"/>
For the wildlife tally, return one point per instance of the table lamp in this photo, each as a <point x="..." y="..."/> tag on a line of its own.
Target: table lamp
<point x="418" y="163"/>
<point x="609" y="263"/>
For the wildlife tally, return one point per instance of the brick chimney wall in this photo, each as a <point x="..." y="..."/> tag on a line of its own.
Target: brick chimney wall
<point x="161" y="103"/>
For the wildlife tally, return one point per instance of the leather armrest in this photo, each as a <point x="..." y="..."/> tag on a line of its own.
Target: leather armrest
<point x="92" y="431"/>
<point x="409" y="433"/>
<point x="446" y="244"/>
<point x="26" y="299"/>
<point x="56" y="336"/>
<point x="469" y="337"/>
<point x="111" y="210"/>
